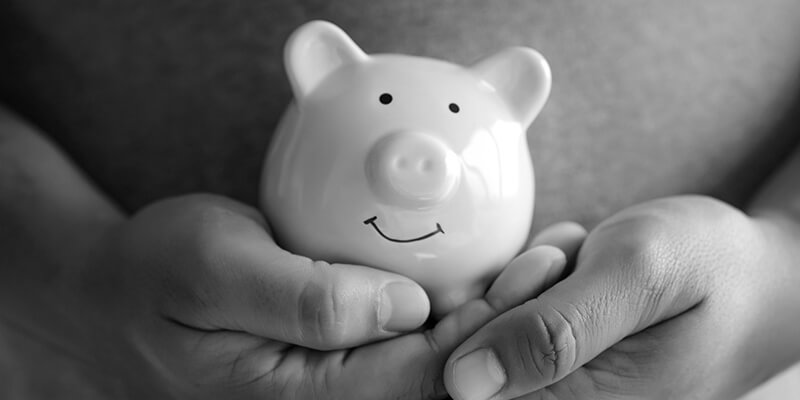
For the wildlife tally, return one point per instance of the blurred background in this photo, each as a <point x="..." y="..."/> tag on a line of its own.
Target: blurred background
<point x="154" y="98"/>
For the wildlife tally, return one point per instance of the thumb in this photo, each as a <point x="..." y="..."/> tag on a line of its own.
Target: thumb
<point x="227" y="273"/>
<point x="615" y="291"/>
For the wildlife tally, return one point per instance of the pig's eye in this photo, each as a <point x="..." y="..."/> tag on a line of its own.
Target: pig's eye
<point x="385" y="98"/>
<point x="454" y="108"/>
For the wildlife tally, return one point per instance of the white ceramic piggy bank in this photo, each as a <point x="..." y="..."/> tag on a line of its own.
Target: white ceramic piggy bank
<point x="408" y="164"/>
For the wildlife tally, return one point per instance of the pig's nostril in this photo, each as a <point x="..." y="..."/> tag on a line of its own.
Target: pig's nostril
<point x="412" y="169"/>
<point x="401" y="163"/>
<point x="425" y="165"/>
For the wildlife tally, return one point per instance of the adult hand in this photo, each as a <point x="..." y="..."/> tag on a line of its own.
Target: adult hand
<point x="191" y="298"/>
<point x="204" y="304"/>
<point x="684" y="297"/>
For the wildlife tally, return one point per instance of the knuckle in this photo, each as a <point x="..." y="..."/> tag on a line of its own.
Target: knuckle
<point x="182" y="207"/>
<point x="666" y="251"/>
<point x="205" y="234"/>
<point x="323" y="314"/>
<point x="186" y="255"/>
<point x="548" y="345"/>
<point x="649" y="267"/>
<point x="202" y="254"/>
<point x="645" y="254"/>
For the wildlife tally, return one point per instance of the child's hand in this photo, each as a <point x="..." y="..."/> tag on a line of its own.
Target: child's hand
<point x="681" y="298"/>
<point x="191" y="298"/>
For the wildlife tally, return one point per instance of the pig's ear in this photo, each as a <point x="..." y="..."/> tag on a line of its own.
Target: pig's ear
<point x="521" y="76"/>
<point x="314" y="51"/>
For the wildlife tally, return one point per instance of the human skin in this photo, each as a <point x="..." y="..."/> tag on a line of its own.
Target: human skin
<point x="191" y="298"/>
<point x="156" y="98"/>
<point x="683" y="297"/>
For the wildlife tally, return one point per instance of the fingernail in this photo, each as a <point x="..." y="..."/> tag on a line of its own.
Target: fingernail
<point x="478" y="375"/>
<point x="403" y="307"/>
<point x="556" y="268"/>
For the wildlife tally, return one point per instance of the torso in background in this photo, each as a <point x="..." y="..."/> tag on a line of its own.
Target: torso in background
<point x="161" y="97"/>
<point x="155" y="98"/>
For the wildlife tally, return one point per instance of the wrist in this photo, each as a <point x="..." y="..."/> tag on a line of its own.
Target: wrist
<point x="782" y="232"/>
<point x="782" y="228"/>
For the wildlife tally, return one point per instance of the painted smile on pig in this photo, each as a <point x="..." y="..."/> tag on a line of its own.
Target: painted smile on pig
<point x="371" y="221"/>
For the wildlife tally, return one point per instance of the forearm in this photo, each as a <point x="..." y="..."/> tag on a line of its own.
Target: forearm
<point x="49" y="217"/>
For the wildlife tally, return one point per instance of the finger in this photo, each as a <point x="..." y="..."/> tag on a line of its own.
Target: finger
<point x="409" y="366"/>
<point x="526" y="276"/>
<point x="538" y="268"/>
<point x="567" y="236"/>
<point x="241" y="280"/>
<point x="539" y="343"/>
<point x="404" y="367"/>
<point x="653" y="364"/>
<point x="212" y="365"/>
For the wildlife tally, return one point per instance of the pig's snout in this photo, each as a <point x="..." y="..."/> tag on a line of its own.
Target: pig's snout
<point x="412" y="169"/>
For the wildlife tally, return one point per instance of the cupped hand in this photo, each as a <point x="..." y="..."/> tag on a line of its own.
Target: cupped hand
<point x="681" y="298"/>
<point x="191" y="298"/>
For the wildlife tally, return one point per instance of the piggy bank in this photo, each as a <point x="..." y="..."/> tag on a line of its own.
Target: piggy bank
<point x="407" y="164"/>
